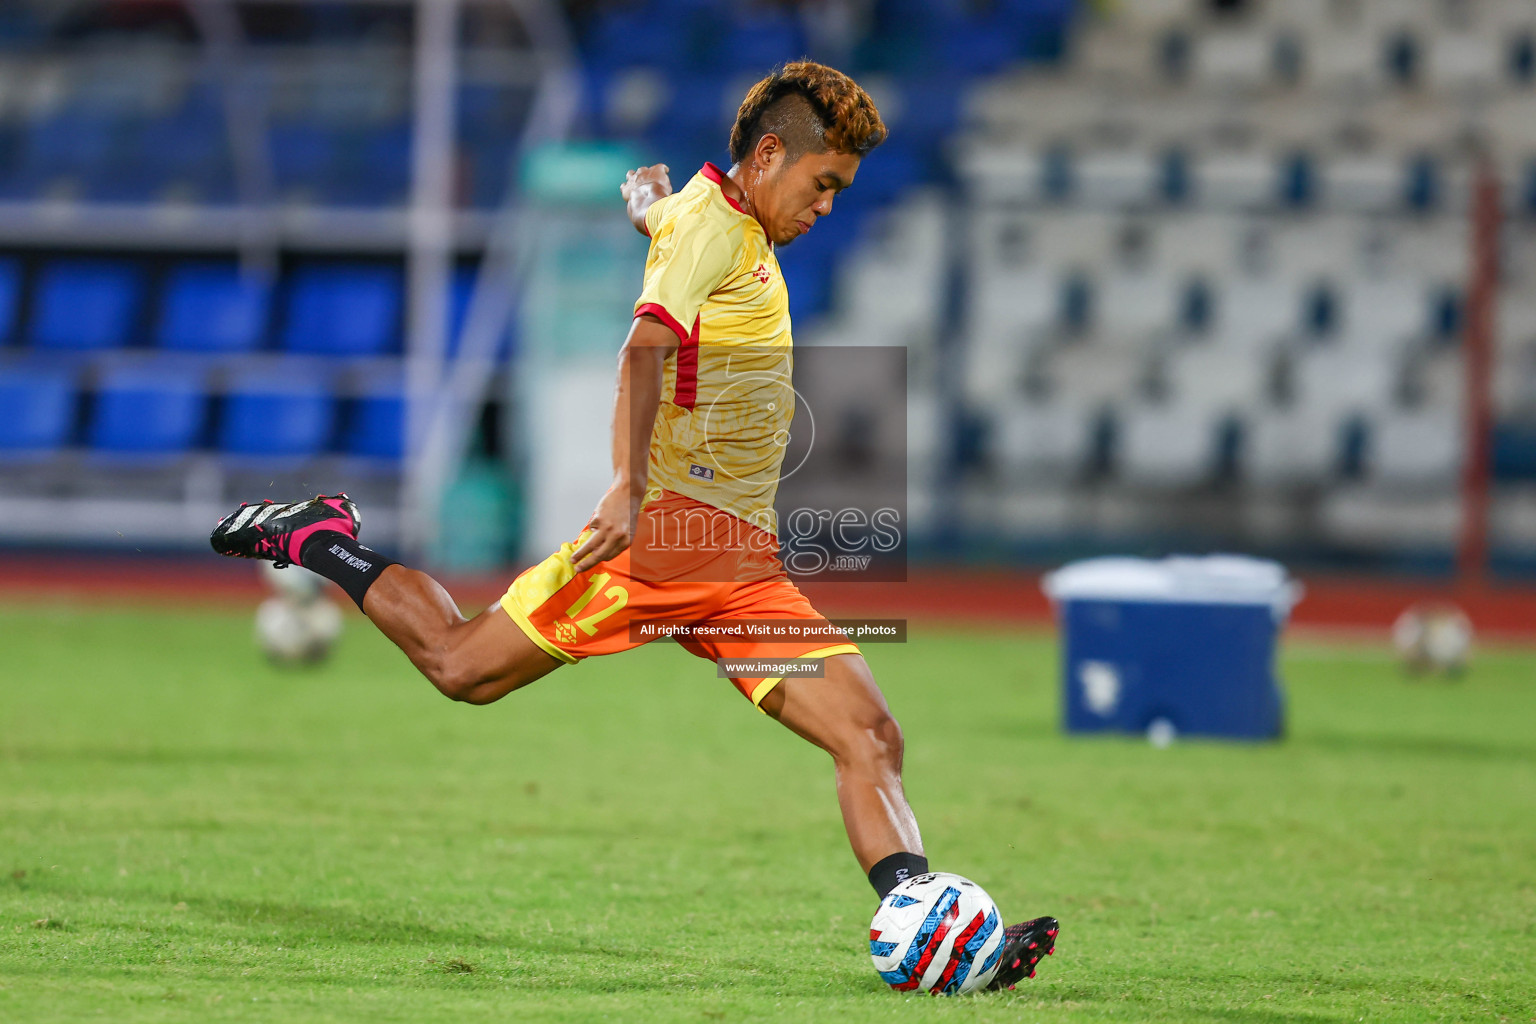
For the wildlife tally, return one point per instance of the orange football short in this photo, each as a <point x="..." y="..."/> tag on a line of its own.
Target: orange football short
<point x="689" y="563"/>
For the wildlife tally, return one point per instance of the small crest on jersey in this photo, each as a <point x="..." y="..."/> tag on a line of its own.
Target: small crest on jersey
<point x="762" y="273"/>
<point x="701" y="472"/>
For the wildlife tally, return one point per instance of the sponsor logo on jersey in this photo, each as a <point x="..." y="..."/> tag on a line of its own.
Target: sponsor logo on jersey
<point x="701" y="472"/>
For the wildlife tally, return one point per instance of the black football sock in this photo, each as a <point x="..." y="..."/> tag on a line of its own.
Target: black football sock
<point x="344" y="561"/>
<point x="895" y="869"/>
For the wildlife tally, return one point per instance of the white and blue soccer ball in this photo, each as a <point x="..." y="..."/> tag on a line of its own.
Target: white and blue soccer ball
<point x="938" y="933"/>
<point x="300" y="625"/>
<point x="290" y="633"/>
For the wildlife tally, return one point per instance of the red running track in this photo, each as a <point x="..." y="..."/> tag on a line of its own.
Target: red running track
<point x="958" y="596"/>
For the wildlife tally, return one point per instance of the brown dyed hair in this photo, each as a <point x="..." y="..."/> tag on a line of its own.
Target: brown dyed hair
<point x="808" y="106"/>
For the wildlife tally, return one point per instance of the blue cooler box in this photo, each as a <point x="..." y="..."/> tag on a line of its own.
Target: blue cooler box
<point x="1180" y="646"/>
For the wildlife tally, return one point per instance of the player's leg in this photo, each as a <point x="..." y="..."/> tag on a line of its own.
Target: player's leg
<point x="550" y="615"/>
<point x="477" y="661"/>
<point x="846" y="715"/>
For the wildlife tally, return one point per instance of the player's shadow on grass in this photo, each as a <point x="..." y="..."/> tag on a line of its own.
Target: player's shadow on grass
<point x="627" y="968"/>
<point x="542" y="961"/>
<point x="1418" y="746"/>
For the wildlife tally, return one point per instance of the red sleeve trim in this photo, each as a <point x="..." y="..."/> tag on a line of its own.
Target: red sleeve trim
<point x="659" y="312"/>
<point x="686" y="390"/>
<point x="716" y="175"/>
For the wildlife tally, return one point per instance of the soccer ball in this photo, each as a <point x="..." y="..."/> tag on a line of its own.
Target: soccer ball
<point x="298" y="626"/>
<point x="291" y="633"/>
<point x="936" y="933"/>
<point x="293" y="582"/>
<point x="1433" y="637"/>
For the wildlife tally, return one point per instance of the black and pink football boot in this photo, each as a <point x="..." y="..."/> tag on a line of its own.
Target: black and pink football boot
<point x="277" y="531"/>
<point x="1024" y="946"/>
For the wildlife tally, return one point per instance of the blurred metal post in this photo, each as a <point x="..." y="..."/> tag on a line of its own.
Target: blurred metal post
<point x="1477" y="356"/>
<point x="465" y="379"/>
<point x="430" y="256"/>
<point x="245" y="118"/>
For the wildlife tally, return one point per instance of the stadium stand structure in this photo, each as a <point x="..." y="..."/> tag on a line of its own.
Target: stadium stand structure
<point x="141" y="352"/>
<point x="1171" y="272"/>
<point x="1216" y="271"/>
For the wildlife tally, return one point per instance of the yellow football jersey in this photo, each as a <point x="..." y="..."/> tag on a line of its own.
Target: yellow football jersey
<point x="726" y="399"/>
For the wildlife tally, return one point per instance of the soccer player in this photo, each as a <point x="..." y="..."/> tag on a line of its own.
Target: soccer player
<point x="686" y="532"/>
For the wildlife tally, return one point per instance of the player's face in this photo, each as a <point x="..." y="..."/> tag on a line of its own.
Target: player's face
<point x="800" y="193"/>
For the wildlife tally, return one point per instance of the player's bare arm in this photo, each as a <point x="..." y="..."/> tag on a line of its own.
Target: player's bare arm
<point x="637" y="396"/>
<point x="642" y="187"/>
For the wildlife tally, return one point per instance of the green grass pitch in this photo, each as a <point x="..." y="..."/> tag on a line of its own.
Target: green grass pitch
<point x="189" y="835"/>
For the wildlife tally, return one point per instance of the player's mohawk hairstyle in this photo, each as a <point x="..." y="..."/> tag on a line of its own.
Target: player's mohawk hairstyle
<point x="842" y="118"/>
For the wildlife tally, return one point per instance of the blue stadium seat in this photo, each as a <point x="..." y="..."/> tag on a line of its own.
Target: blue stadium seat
<point x="1195" y="305"/>
<point x="1298" y="180"/>
<point x="809" y="264"/>
<point x="925" y="17"/>
<point x="375" y="427"/>
<point x="344" y="310"/>
<point x="930" y="111"/>
<point x="480" y="110"/>
<point x="905" y="36"/>
<point x="1423" y="189"/>
<point x="978" y="46"/>
<point x="489" y="164"/>
<point x="758" y="38"/>
<point x="150" y="410"/>
<point x="39" y="412"/>
<point x="686" y="152"/>
<point x="68" y="145"/>
<point x="1514" y="451"/>
<point x="277" y="417"/>
<point x="303" y="156"/>
<point x="1527" y="187"/>
<point x="501" y="112"/>
<point x="1043" y="26"/>
<point x="1176" y="185"/>
<point x="388" y="171"/>
<point x="213" y="307"/>
<point x="591" y="111"/>
<point x="19" y="23"/>
<point x="86" y="304"/>
<point x="624" y="37"/>
<point x="1059" y="171"/>
<point x="11" y="184"/>
<point x="1077" y="302"/>
<point x="888" y="172"/>
<point x="807" y="268"/>
<point x="463" y="291"/>
<point x="127" y="175"/>
<point x="687" y="12"/>
<point x="191" y="152"/>
<point x="10" y="293"/>
<point x="373" y="167"/>
<point x="694" y="127"/>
